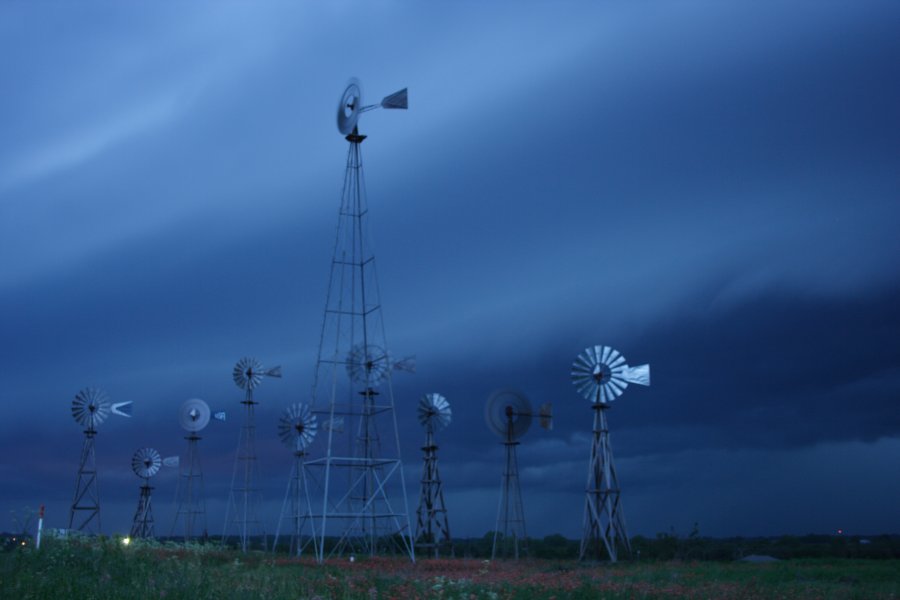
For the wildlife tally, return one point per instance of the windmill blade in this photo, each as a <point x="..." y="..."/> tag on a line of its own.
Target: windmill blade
<point x="193" y="415"/>
<point x="368" y="364"/>
<point x="146" y="462"/>
<point x="434" y="411"/>
<point x="219" y="416"/>
<point x="247" y="373"/>
<point x="90" y="407"/>
<point x="122" y="409"/>
<point x="396" y="100"/>
<point x="297" y="427"/>
<point x="171" y="461"/>
<point x="639" y="375"/>
<point x="601" y="374"/>
<point x="546" y="416"/>
<point x="508" y="414"/>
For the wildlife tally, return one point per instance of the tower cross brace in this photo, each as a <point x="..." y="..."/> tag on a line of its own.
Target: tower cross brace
<point x="432" y="525"/>
<point x="86" y="500"/>
<point x="509" y="532"/>
<point x="603" y="528"/>
<point x="189" y="495"/>
<point x="360" y="478"/>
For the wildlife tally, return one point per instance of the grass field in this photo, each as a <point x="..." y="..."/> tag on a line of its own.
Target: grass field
<point x="105" y="568"/>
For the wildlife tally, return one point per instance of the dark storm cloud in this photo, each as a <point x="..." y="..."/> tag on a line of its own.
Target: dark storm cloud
<point x="709" y="189"/>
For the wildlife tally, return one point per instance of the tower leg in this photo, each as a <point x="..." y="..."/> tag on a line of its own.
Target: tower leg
<point x="603" y="529"/>
<point x="190" y="500"/>
<point x="432" y="527"/>
<point x="297" y="500"/>
<point x="510" y="528"/>
<point x="364" y="507"/>
<point x="245" y="498"/>
<point x="85" y="511"/>
<point x="142" y="525"/>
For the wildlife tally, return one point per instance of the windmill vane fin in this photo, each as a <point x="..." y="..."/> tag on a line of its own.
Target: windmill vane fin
<point x="639" y="375"/>
<point x="546" y="416"/>
<point x="123" y="409"/>
<point x="219" y="416"/>
<point x="274" y="372"/>
<point x="398" y="99"/>
<point x="171" y="461"/>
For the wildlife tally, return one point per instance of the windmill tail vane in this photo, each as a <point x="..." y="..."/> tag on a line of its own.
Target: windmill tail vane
<point x="123" y="409"/>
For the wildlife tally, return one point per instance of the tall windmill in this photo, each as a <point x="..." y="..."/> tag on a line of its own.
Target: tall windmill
<point x="432" y="526"/>
<point x="508" y="414"/>
<point x="145" y="463"/>
<point x="601" y="374"/>
<point x="297" y="429"/>
<point x="89" y="409"/>
<point x="245" y="498"/>
<point x="363" y="492"/>
<point x="190" y="498"/>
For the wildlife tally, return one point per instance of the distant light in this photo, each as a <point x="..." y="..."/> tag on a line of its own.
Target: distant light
<point x="126" y="540"/>
<point x="840" y="532"/>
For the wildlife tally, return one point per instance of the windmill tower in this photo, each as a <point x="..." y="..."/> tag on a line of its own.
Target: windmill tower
<point x="89" y="409"/>
<point x="297" y="428"/>
<point x="245" y="499"/>
<point x="601" y="375"/>
<point x="432" y="527"/>
<point x="190" y="498"/>
<point x="145" y="463"/>
<point x="508" y="414"/>
<point x="363" y="492"/>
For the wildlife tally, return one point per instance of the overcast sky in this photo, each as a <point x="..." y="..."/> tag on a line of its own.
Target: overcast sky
<point x="711" y="188"/>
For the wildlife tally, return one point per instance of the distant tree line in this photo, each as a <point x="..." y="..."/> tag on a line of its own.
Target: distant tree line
<point x="671" y="546"/>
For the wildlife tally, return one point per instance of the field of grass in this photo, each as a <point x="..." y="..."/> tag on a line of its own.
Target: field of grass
<point x="105" y="568"/>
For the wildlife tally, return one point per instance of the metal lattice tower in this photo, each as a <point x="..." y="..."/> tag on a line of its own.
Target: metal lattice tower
<point x="245" y="499"/>
<point x="601" y="375"/>
<point x="145" y="463"/>
<point x="359" y="479"/>
<point x="89" y="409"/>
<point x="86" y="502"/>
<point x="432" y="526"/>
<point x="508" y="414"/>
<point x="190" y="496"/>
<point x="297" y="428"/>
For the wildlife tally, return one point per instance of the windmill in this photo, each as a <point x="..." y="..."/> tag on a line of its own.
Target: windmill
<point x="297" y="429"/>
<point x="89" y="409"/>
<point x="432" y="527"/>
<point x="601" y="375"/>
<point x="145" y="463"/>
<point x="190" y="499"/>
<point x="245" y="498"/>
<point x="363" y="491"/>
<point x="508" y="414"/>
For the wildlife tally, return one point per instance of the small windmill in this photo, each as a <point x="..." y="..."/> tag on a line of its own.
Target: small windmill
<point x="190" y="499"/>
<point x="89" y="409"/>
<point x="508" y="414"/>
<point x="245" y="498"/>
<point x="145" y="463"/>
<point x="601" y="374"/>
<point x="297" y="428"/>
<point x="432" y="527"/>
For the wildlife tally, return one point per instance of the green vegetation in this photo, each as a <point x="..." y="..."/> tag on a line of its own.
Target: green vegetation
<point x="101" y="568"/>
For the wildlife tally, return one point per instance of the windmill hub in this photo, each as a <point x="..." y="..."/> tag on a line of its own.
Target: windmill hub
<point x="509" y="412"/>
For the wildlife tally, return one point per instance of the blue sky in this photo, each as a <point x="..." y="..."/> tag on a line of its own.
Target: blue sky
<point x="708" y="187"/>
